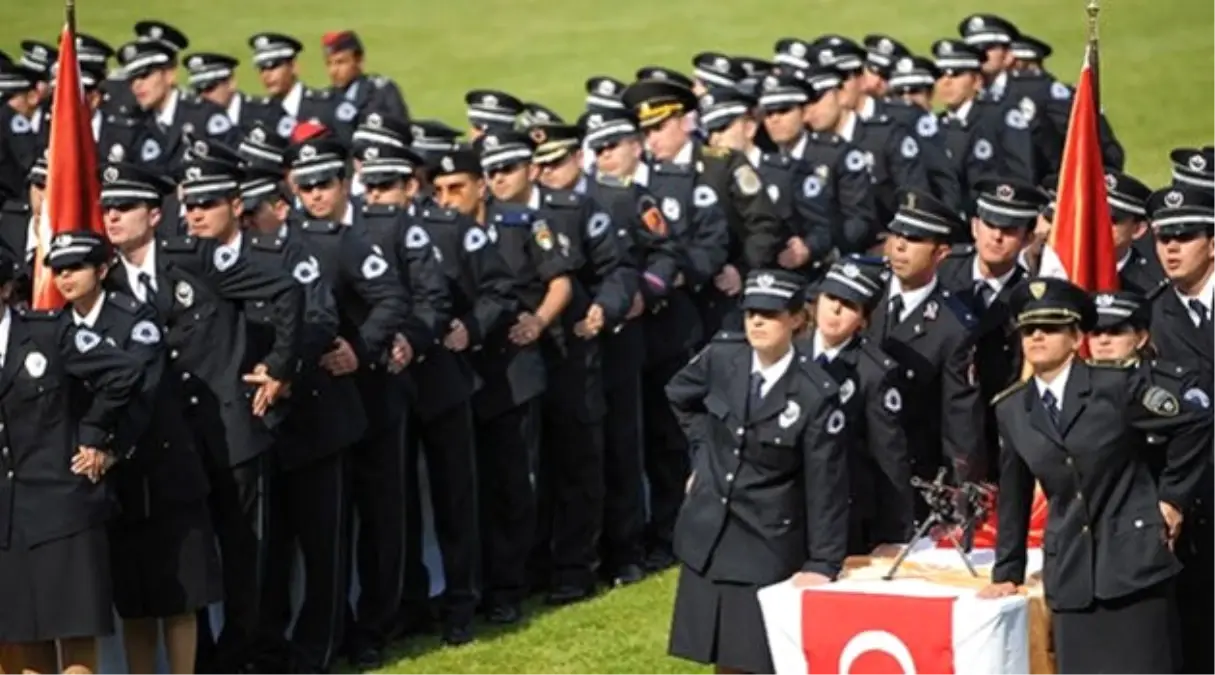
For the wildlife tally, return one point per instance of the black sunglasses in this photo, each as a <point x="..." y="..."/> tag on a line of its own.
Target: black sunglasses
<point x="204" y="206"/>
<point x="1046" y="328"/>
<point x="305" y="189"/>
<point x="509" y="168"/>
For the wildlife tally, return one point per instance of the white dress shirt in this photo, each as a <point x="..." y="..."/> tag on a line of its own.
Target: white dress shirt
<point x="89" y="319"/>
<point x="911" y="299"/>
<point x="6" y="324"/>
<point x="866" y="110"/>
<point x="963" y="110"/>
<point x="684" y="156"/>
<point x="996" y="284"/>
<point x="849" y="129"/>
<point x="799" y="148"/>
<point x="772" y="373"/>
<point x="169" y="111"/>
<point x="234" y="108"/>
<point x="291" y="102"/>
<point x="821" y="348"/>
<point x="1205" y="296"/>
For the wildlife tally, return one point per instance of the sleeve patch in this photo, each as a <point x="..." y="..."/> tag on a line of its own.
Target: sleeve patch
<point x="145" y="333"/>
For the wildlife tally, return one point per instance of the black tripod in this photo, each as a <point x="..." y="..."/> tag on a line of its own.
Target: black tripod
<point x="957" y="508"/>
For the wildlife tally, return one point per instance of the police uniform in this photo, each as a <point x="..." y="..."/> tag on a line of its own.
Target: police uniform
<point x="368" y="93"/>
<point x="1108" y="571"/>
<point x="207" y="70"/>
<point x="19" y="142"/>
<point x="909" y="74"/>
<point x="769" y="490"/>
<point x="931" y="337"/>
<point x="1138" y="270"/>
<point x="16" y="223"/>
<point x="301" y="102"/>
<point x="879" y="469"/>
<point x="492" y="111"/>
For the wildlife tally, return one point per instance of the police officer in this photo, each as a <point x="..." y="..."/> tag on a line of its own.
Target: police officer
<point x="491" y="111"/>
<point x="988" y="139"/>
<point x="881" y="53"/>
<point x="274" y="57"/>
<point x="163" y="559"/>
<point x="714" y="70"/>
<point x="655" y="340"/>
<point x="1193" y="167"/>
<point x="212" y="77"/>
<point x="928" y="330"/>
<point x="54" y="551"/>
<point x="368" y="93"/>
<point x="95" y="54"/>
<point x="19" y="216"/>
<point x="838" y="176"/>
<point x="768" y="496"/>
<point x="1111" y="595"/>
<point x="19" y="145"/>
<point x="1127" y="199"/>
<point x="881" y="510"/>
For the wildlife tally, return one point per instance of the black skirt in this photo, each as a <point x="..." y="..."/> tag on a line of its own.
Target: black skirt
<point x="165" y="565"/>
<point x="1132" y="634"/>
<point x="57" y="589"/>
<point x="719" y="623"/>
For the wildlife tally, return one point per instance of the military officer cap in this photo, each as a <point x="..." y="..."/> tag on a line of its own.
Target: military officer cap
<point x="432" y="136"/>
<point x="386" y="164"/>
<point x="271" y="50"/>
<point x="911" y="74"/>
<point x="1194" y="167"/>
<point x="752" y="66"/>
<point x="504" y="149"/>
<point x="554" y="142"/>
<point x="838" y="52"/>
<point x="492" y="110"/>
<point x="132" y="184"/>
<point x="1177" y="211"/>
<point x="159" y="31"/>
<point x="92" y="50"/>
<point x="260" y="183"/>
<point x="603" y="93"/>
<point x="37" y="57"/>
<point x="796" y="87"/>
<point x="381" y="129"/>
<point x="720" y="106"/>
<point x="1121" y="308"/>
<point x="140" y="58"/>
<point x="986" y="30"/>
<point x="791" y="52"/>
<point x="317" y="161"/>
<point x="535" y="113"/>
<point x="605" y="129"/>
<point x="76" y="249"/>
<point x="38" y="172"/>
<point x="1127" y="196"/>
<point x="210" y="171"/>
<point x="1009" y="203"/>
<point x="773" y="290"/>
<point x="663" y="75"/>
<point x="922" y="216"/>
<point x="856" y="280"/>
<point x="954" y="57"/>
<point x="881" y="52"/>
<point x="1029" y="48"/>
<point x="263" y="149"/>
<point x="1049" y="301"/>
<point x="208" y="69"/>
<point x="715" y="69"/>
<point x="655" y="101"/>
<point x="341" y="41"/>
<point x="91" y="75"/>
<point x="15" y="78"/>
<point x="460" y="159"/>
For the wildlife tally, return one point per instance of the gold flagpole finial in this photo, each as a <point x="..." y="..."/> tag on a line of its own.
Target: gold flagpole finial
<point x="1093" y="8"/>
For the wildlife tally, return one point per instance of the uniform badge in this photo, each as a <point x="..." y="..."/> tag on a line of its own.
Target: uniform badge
<point x="1174" y="199"/>
<point x="145" y="333"/>
<point x="790" y="414"/>
<point x="307" y="271"/>
<point x="926" y="126"/>
<point x="1197" y="163"/>
<point x="117" y="153"/>
<point x="218" y="124"/>
<point x="1160" y="402"/>
<point x="892" y="400"/>
<point x="35" y="364"/>
<point x="416" y="237"/>
<point x="563" y="242"/>
<point x="149" y="151"/>
<point x="374" y="266"/>
<point x="855" y="161"/>
<point x="835" y="422"/>
<point x="598" y="224"/>
<point x="110" y="174"/>
<point x="184" y="293"/>
<point x="224" y="258"/>
<point x="346" y="111"/>
<point x="909" y="149"/>
<point x="286" y="125"/>
<point x="447" y="164"/>
<point x="773" y="193"/>
<point x="1060" y="91"/>
<point x="1198" y="397"/>
<point x="983" y="150"/>
<point x="703" y="197"/>
<point x="474" y="240"/>
<point x="931" y="309"/>
<point x="747" y="180"/>
<point x="86" y="340"/>
<point x="822" y="171"/>
<point x="670" y="208"/>
<point x="812" y="187"/>
<point x="492" y="233"/>
<point x="847" y="389"/>
<point x="1028" y="108"/>
<point x="1015" y="120"/>
<point x="542" y="235"/>
<point x="1037" y="289"/>
<point x="1111" y="182"/>
<point x="19" y="125"/>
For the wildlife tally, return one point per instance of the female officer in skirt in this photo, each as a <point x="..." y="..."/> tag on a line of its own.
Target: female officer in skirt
<point x="1082" y="430"/>
<point x="163" y="559"/>
<point x="768" y="496"/>
<point x="62" y="389"/>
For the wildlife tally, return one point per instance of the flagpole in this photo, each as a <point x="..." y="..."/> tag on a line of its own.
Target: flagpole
<point x="1094" y="9"/>
<point x="70" y="10"/>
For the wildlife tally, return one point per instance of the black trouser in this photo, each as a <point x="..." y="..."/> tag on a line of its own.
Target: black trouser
<point x="623" y="472"/>
<point x="667" y="462"/>
<point x="377" y="472"/>
<point x="505" y="446"/>
<point x="310" y="505"/>
<point x="239" y="514"/>
<point x="448" y="443"/>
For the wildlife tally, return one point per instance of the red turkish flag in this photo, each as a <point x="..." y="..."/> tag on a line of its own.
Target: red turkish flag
<point x="73" y="192"/>
<point x="870" y="633"/>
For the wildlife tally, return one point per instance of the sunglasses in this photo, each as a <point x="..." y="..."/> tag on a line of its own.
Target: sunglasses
<point x="782" y="110"/>
<point x="204" y="206"/>
<point x="305" y="189"/>
<point x="121" y="207"/>
<point x="508" y="169"/>
<point x="1045" y="328"/>
<point x="607" y="147"/>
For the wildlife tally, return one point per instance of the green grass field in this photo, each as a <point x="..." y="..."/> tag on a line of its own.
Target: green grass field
<point x="1157" y="62"/>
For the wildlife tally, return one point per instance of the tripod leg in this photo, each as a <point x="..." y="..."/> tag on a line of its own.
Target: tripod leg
<point x="953" y="537"/>
<point x="924" y="528"/>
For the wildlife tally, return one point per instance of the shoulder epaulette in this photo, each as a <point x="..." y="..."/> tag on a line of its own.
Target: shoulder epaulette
<point x="439" y="214"/>
<point x="1168" y="368"/>
<point x="827" y="386"/>
<point x="612" y="181"/>
<point x="320" y="226"/>
<point x="564" y="199"/>
<point x="670" y="168"/>
<point x="874" y="353"/>
<point x="714" y="151"/>
<point x="1016" y="387"/>
<point x="961" y="250"/>
<point x="877" y="120"/>
<point x="1116" y="364"/>
<point x="14" y="206"/>
<point x="179" y="244"/>
<point x="380" y="209"/>
<point x="380" y="81"/>
<point x="38" y="314"/>
<point x="1155" y="292"/>
<point x="122" y="120"/>
<point x="959" y="309"/>
<point x="123" y="301"/>
<point x="512" y="215"/>
<point x="775" y="159"/>
<point x="317" y="93"/>
<point x="266" y="242"/>
<point x="730" y="336"/>
<point x="826" y="138"/>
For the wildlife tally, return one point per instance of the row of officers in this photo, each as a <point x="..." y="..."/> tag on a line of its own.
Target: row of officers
<point x="834" y="126"/>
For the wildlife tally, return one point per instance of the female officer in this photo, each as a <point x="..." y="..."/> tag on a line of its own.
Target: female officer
<point x="54" y="448"/>
<point x="1081" y="431"/>
<point x="163" y="560"/>
<point x="882" y="500"/>
<point x="768" y="496"/>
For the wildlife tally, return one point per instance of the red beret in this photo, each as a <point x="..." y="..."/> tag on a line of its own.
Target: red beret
<point x="340" y="41"/>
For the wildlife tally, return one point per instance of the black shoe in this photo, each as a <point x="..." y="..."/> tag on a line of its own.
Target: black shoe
<point x="659" y="559"/>
<point x="368" y="658"/>
<point x="567" y="594"/>
<point x="457" y="634"/>
<point x="506" y="613"/>
<point x="627" y="575"/>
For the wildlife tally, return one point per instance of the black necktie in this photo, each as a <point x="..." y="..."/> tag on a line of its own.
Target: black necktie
<point x="822" y="359"/>
<point x="1196" y="306"/>
<point x="1048" y="400"/>
<point x="757" y="393"/>
<point x="984" y="292"/>
<point x="894" y="314"/>
<point x="145" y="280"/>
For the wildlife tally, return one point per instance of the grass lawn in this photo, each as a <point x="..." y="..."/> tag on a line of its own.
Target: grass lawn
<point x="1157" y="63"/>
